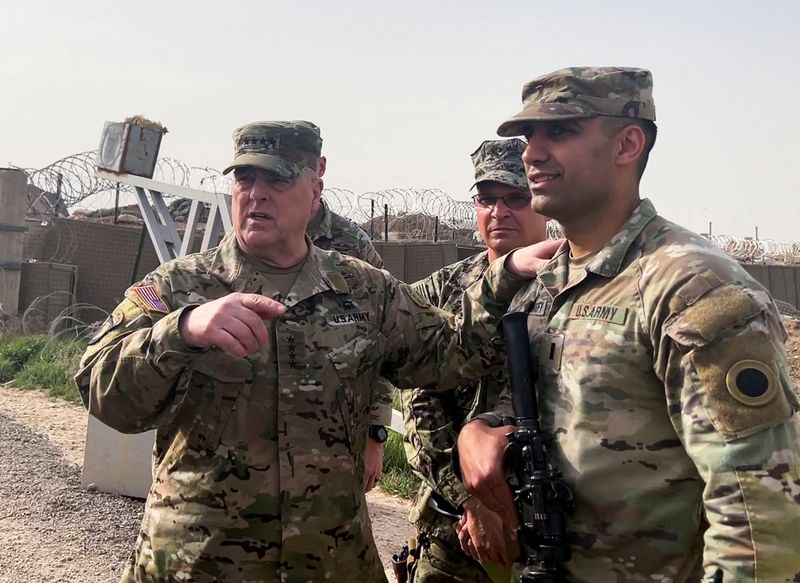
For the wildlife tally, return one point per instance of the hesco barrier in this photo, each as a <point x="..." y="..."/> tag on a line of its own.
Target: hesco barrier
<point x="782" y="281"/>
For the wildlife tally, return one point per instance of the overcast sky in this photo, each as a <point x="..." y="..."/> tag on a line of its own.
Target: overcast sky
<point x="405" y="91"/>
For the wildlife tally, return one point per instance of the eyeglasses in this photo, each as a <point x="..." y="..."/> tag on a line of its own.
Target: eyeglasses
<point x="513" y="201"/>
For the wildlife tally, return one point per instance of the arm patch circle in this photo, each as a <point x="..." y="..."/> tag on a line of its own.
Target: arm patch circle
<point x="752" y="382"/>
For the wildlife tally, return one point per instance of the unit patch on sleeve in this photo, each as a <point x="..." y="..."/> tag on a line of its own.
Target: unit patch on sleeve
<point x="752" y="382"/>
<point x="147" y="298"/>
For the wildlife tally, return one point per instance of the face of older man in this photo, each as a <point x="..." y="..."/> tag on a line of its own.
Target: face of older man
<point x="506" y="219"/>
<point x="270" y="213"/>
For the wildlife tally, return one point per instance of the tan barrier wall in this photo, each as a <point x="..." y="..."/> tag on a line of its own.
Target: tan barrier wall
<point x="47" y="291"/>
<point x="105" y="256"/>
<point x="782" y="281"/>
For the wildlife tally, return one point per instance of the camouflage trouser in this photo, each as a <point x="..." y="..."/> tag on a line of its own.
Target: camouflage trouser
<point x="442" y="563"/>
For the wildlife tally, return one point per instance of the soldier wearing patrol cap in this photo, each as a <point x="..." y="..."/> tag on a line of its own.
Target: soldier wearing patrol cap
<point x="505" y="221"/>
<point x="256" y="363"/>
<point x="662" y="370"/>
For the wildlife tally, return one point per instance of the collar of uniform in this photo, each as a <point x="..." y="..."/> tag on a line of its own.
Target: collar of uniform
<point x="322" y="224"/>
<point x="227" y="262"/>
<point x="477" y="265"/>
<point x="609" y="259"/>
<point x="554" y="273"/>
<point x="319" y="272"/>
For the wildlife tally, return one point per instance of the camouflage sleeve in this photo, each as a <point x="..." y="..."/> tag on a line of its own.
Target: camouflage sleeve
<point x="380" y="411"/>
<point x="131" y="376"/>
<point x="424" y="345"/>
<point x="370" y="254"/>
<point x="430" y="288"/>
<point x="723" y="365"/>
<point x="430" y="435"/>
<point x="429" y="441"/>
<point x="503" y="413"/>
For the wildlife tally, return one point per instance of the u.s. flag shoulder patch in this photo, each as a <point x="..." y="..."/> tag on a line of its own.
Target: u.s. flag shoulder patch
<point x="147" y="298"/>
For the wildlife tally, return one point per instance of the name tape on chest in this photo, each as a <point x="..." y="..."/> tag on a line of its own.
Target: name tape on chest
<point x="348" y="318"/>
<point x="540" y="307"/>
<point x="610" y="314"/>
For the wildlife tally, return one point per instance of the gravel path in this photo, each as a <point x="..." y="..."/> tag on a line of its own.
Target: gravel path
<point x="51" y="529"/>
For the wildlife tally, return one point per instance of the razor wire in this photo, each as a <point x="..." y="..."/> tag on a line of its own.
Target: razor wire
<point x="748" y="250"/>
<point x="72" y="179"/>
<point x="399" y="213"/>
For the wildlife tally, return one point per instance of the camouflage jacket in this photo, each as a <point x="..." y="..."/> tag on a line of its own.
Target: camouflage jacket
<point x="433" y="419"/>
<point x="663" y="378"/>
<point x="333" y="231"/>
<point x="262" y="486"/>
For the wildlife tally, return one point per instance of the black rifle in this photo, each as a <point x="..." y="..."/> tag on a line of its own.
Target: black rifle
<point x="541" y="497"/>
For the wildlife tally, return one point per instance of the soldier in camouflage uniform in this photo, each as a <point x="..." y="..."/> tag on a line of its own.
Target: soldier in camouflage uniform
<point x="433" y="419"/>
<point x="328" y="230"/>
<point x="662" y="370"/>
<point x="255" y="362"/>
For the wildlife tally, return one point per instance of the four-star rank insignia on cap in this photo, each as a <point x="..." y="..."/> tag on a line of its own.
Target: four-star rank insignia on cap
<point x="752" y="382"/>
<point x="147" y="298"/>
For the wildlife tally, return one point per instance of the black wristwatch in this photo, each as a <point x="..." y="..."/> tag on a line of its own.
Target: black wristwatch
<point x="378" y="432"/>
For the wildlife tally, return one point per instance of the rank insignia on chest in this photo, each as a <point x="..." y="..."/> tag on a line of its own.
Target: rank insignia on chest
<point x="147" y="298"/>
<point x="347" y="318"/>
<point x="610" y="314"/>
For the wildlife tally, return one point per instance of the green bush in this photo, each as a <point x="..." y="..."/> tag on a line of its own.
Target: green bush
<point x="397" y="478"/>
<point x="52" y="369"/>
<point x="7" y="369"/>
<point x="16" y="351"/>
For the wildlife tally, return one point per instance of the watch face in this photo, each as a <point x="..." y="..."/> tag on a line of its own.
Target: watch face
<point x="378" y="433"/>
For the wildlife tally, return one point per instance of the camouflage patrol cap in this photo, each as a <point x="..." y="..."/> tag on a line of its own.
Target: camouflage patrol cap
<point x="283" y="147"/>
<point x="579" y="92"/>
<point x="500" y="161"/>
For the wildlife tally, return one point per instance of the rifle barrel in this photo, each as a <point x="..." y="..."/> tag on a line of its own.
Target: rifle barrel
<point x="523" y="375"/>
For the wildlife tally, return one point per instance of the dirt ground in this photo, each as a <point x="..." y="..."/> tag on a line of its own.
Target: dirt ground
<point x="793" y="350"/>
<point x="53" y="530"/>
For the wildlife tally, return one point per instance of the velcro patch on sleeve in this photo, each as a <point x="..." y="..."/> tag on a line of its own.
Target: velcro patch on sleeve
<point x="716" y="312"/>
<point x="147" y="298"/>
